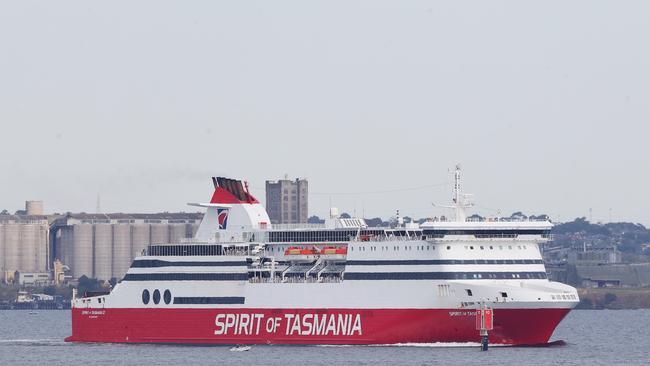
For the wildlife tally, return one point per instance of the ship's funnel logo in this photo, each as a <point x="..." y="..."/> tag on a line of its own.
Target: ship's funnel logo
<point x="222" y="218"/>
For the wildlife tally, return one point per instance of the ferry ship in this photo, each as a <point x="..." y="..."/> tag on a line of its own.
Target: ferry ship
<point x="241" y="280"/>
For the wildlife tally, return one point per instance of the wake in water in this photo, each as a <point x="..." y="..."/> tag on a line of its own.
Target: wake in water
<point x="558" y="343"/>
<point x="33" y="342"/>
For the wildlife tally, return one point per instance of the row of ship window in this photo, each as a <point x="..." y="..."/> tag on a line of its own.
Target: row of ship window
<point x="362" y="248"/>
<point x="442" y="275"/>
<point x="347" y="235"/>
<point x="510" y="247"/>
<point x="201" y="250"/>
<point x="428" y="247"/>
<point x="146" y="297"/>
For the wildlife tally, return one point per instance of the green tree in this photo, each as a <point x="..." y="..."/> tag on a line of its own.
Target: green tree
<point x="88" y="284"/>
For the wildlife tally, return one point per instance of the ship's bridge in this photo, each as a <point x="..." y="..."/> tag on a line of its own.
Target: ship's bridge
<point x="538" y="230"/>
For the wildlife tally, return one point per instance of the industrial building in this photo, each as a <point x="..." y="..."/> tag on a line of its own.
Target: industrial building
<point x="24" y="242"/>
<point x="103" y="246"/>
<point x="286" y="201"/>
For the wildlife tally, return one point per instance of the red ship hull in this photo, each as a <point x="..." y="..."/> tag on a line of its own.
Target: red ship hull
<point x="309" y="326"/>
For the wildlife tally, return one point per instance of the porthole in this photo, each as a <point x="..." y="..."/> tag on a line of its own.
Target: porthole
<point x="145" y="297"/>
<point x="448" y="247"/>
<point x="167" y="296"/>
<point x="156" y="297"/>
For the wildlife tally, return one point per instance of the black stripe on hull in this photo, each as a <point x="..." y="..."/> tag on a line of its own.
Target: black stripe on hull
<point x="209" y="300"/>
<point x="443" y="275"/>
<point x="155" y="263"/>
<point x="441" y="261"/>
<point x="186" y="277"/>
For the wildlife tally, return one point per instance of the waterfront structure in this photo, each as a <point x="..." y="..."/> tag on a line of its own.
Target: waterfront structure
<point x="242" y="281"/>
<point x="33" y="279"/>
<point x="287" y="201"/>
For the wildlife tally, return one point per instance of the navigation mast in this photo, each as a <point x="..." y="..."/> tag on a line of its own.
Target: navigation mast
<point x="460" y="199"/>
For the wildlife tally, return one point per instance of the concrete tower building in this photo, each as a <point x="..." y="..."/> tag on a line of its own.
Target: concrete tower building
<point x="286" y="201"/>
<point x="104" y="245"/>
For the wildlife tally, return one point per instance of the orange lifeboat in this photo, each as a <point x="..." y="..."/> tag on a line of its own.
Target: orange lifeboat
<point x="329" y="250"/>
<point x="341" y="250"/>
<point x="292" y="251"/>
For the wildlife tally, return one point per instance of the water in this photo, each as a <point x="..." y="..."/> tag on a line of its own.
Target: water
<point x="593" y="337"/>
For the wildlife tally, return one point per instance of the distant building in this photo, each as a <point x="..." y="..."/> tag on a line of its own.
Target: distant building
<point x="24" y="244"/>
<point x="608" y="255"/>
<point x="33" y="279"/>
<point x="103" y="246"/>
<point x="286" y="201"/>
<point x="37" y="248"/>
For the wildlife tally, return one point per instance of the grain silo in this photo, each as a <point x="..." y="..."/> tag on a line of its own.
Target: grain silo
<point x="177" y="232"/>
<point x="2" y="249"/>
<point x="82" y="251"/>
<point x="159" y="233"/>
<point x="103" y="251"/>
<point x="65" y="245"/>
<point x="140" y="239"/>
<point x="121" y="249"/>
<point x="34" y="207"/>
<point x="194" y="228"/>
<point x="12" y="247"/>
<point x="43" y="249"/>
<point x="28" y="248"/>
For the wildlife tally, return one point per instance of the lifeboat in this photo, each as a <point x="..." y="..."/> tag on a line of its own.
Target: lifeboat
<point x="341" y="250"/>
<point x="292" y="251"/>
<point x="329" y="250"/>
<point x="308" y="251"/>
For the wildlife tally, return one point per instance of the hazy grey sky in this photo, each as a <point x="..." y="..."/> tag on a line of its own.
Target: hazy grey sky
<point x="545" y="104"/>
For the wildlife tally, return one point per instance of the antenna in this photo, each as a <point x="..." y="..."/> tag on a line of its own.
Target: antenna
<point x="98" y="209"/>
<point x="460" y="200"/>
<point x="610" y="214"/>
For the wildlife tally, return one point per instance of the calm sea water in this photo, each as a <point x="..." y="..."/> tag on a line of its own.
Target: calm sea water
<point x="593" y="337"/>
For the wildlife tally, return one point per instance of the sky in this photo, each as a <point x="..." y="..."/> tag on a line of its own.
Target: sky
<point x="546" y="105"/>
